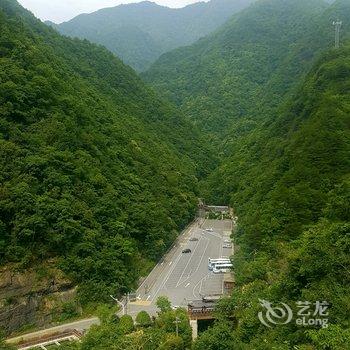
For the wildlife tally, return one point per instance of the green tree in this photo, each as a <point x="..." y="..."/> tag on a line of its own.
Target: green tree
<point x="172" y="342"/>
<point x="332" y="337"/>
<point x="98" y="174"/>
<point x="163" y="304"/>
<point x="143" y="319"/>
<point x="125" y="325"/>
<point x="106" y="313"/>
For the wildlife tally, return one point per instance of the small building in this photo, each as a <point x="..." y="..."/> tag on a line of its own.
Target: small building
<point x="229" y="282"/>
<point x="201" y="309"/>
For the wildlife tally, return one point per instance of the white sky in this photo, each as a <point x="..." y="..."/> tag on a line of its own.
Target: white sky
<point x="63" y="10"/>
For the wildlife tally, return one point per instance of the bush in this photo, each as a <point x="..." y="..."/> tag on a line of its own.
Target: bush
<point x="143" y="319"/>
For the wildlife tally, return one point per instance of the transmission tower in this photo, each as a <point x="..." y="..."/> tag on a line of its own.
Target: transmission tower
<point x="337" y="26"/>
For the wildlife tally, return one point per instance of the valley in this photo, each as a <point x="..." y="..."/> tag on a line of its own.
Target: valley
<point x="140" y="33"/>
<point x="102" y="168"/>
<point x="183" y="277"/>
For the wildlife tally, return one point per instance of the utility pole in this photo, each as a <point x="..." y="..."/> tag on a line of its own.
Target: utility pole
<point x="337" y="25"/>
<point x="126" y="303"/>
<point x="119" y="303"/>
<point x="122" y="304"/>
<point x="177" y="321"/>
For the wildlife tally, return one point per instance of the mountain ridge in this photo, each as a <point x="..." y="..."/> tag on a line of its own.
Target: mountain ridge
<point x="215" y="80"/>
<point x="88" y="154"/>
<point x="165" y="28"/>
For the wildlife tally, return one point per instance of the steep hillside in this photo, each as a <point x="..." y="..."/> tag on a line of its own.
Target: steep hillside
<point x="96" y="172"/>
<point x="289" y="183"/>
<point x="231" y="77"/>
<point x="279" y="107"/>
<point x="139" y="33"/>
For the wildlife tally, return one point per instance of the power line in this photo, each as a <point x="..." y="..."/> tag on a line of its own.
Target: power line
<point x="337" y="26"/>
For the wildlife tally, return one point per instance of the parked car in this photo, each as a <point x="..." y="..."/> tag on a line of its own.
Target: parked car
<point x="226" y="245"/>
<point x="187" y="251"/>
<point x="193" y="239"/>
<point x="209" y="229"/>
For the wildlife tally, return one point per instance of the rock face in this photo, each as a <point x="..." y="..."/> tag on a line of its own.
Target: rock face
<point x="33" y="298"/>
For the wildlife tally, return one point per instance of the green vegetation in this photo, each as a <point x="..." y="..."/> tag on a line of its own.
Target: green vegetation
<point x="278" y="108"/>
<point x="293" y="207"/>
<point x="163" y="304"/>
<point x="3" y="344"/>
<point x="139" y="33"/>
<point x="122" y="334"/>
<point x="67" y="311"/>
<point x="217" y="216"/>
<point x="99" y="174"/>
<point x="96" y="171"/>
<point x="228" y="82"/>
<point x="143" y="319"/>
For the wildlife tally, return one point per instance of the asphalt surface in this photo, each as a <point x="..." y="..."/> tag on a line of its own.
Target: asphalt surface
<point x="183" y="277"/>
<point x="80" y="325"/>
<point x="180" y="277"/>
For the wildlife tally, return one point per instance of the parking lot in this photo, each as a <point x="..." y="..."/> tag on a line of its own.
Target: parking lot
<point x="185" y="276"/>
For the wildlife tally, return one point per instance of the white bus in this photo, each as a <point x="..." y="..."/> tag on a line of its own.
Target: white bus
<point x="222" y="268"/>
<point x="213" y="262"/>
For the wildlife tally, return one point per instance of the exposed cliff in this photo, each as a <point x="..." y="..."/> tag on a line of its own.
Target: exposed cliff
<point x="34" y="298"/>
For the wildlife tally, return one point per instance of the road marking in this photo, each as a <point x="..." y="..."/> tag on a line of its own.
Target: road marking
<point x="217" y="235"/>
<point x="148" y="297"/>
<point x="206" y="247"/>
<point x="187" y="284"/>
<point x="199" y="264"/>
<point x="181" y="236"/>
<point x="183" y="271"/>
<point x="199" y="282"/>
<point x="162" y="263"/>
<point x="211" y="241"/>
<point x="167" y="277"/>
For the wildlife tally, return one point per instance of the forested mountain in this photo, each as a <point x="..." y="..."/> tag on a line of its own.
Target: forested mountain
<point x="275" y="95"/>
<point x="289" y="182"/>
<point x="248" y="65"/>
<point x="139" y="33"/>
<point x="96" y="172"/>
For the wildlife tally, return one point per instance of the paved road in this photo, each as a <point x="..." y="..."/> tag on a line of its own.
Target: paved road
<point x="80" y="325"/>
<point x="184" y="277"/>
<point x="180" y="277"/>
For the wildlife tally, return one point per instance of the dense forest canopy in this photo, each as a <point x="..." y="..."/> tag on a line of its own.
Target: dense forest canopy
<point x="289" y="184"/>
<point x="225" y="81"/>
<point x="139" y="33"/>
<point x="96" y="171"/>
<point x="99" y="174"/>
<point x="277" y="107"/>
